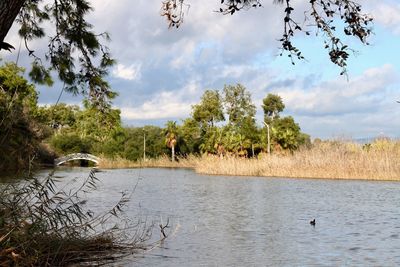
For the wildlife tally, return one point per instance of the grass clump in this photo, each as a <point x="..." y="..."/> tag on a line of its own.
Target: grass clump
<point x="41" y="225"/>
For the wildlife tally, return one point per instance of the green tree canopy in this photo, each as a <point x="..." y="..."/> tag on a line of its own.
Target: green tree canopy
<point x="20" y="134"/>
<point x="74" y="50"/>
<point x="272" y="106"/>
<point x="238" y="104"/>
<point x="209" y="110"/>
<point x="286" y="132"/>
<point x="190" y="132"/>
<point x="58" y="116"/>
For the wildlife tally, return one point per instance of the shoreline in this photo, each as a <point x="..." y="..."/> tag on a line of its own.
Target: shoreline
<point x="289" y="166"/>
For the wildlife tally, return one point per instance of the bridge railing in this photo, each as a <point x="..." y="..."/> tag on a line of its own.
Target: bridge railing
<point x="76" y="156"/>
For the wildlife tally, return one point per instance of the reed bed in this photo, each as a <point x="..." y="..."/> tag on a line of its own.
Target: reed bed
<point x="161" y="162"/>
<point x="41" y="225"/>
<point x="329" y="160"/>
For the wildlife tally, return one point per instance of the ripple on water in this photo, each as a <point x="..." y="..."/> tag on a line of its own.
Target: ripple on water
<point x="232" y="221"/>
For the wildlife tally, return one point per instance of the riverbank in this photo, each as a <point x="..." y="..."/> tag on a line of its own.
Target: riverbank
<point x="329" y="160"/>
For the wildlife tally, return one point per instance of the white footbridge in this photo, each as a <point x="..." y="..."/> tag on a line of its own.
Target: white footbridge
<point x="76" y="156"/>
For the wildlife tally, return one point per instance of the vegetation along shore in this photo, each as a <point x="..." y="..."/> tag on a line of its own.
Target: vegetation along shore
<point x="325" y="159"/>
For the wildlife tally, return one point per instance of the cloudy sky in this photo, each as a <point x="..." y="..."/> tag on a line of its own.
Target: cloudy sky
<point x="162" y="72"/>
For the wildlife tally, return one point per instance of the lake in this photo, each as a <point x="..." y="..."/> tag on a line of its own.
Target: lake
<point x="253" y="221"/>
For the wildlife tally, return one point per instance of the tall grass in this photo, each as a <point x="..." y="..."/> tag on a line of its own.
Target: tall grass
<point x="41" y="225"/>
<point x="328" y="159"/>
<point x="337" y="160"/>
<point x="161" y="162"/>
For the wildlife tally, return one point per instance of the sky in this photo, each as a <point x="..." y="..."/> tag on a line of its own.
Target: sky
<point x="160" y="72"/>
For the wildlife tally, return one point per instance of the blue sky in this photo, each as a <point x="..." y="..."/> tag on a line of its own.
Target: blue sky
<point x="161" y="72"/>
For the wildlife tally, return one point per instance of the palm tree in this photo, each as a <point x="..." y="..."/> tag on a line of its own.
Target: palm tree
<point x="170" y="132"/>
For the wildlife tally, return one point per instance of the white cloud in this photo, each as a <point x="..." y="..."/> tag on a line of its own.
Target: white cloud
<point x="165" y="106"/>
<point x="387" y="14"/>
<point x="340" y="96"/>
<point x="131" y="73"/>
<point x="362" y="107"/>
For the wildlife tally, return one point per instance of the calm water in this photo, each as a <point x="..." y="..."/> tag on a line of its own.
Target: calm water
<point x="237" y="221"/>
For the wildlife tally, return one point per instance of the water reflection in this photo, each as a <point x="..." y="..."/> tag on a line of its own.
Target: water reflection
<point x="237" y="221"/>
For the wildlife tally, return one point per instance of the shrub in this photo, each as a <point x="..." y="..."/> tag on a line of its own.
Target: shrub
<point x="43" y="226"/>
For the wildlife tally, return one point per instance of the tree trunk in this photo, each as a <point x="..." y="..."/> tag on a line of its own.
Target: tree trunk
<point x="173" y="153"/>
<point x="9" y="10"/>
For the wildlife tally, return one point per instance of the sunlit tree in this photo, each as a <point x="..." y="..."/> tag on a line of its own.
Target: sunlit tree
<point x="209" y="111"/>
<point x="272" y="106"/>
<point x="238" y="104"/>
<point x="170" y="131"/>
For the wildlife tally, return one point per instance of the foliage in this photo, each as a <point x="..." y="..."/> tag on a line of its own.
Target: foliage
<point x="286" y="133"/>
<point x="67" y="143"/>
<point x="91" y="130"/>
<point x="272" y="106"/>
<point x="42" y="225"/>
<point x="238" y="104"/>
<point x="58" y="116"/>
<point x="171" y="131"/>
<point x="322" y="16"/>
<point x="97" y="123"/>
<point x="190" y="133"/>
<point x="213" y="141"/>
<point x="209" y="110"/>
<point x="133" y="143"/>
<point x="20" y="133"/>
<point x="74" y="50"/>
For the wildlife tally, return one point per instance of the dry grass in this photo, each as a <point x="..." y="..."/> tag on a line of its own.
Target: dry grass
<point x="330" y="160"/>
<point x="162" y="162"/>
<point x="326" y="160"/>
<point x="42" y="225"/>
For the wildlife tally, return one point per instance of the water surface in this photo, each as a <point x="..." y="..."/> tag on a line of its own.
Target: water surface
<point x="252" y="221"/>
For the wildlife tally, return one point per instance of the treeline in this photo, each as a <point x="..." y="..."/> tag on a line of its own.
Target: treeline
<point x="224" y="123"/>
<point x="221" y="123"/>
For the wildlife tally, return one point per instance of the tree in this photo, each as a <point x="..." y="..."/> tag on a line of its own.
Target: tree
<point x="58" y="116"/>
<point x="73" y="43"/>
<point x="191" y="134"/>
<point x="170" y="131"/>
<point x="272" y="106"/>
<point x="238" y="104"/>
<point x="237" y="143"/>
<point x="286" y="132"/>
<point x="324" y="15"/>
<point x="20" y="133"/>
<point x="209" y="110"/>
<point x="67" y="143"/>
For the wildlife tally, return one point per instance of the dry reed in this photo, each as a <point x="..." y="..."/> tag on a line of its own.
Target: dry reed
<point x="41" y="225"/>
<point x="161" y="162"/>
<point x="329" y="160"/>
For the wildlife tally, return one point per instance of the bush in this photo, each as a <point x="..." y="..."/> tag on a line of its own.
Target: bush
<point x="43" y="226"/>
<point x="66" y="143"/>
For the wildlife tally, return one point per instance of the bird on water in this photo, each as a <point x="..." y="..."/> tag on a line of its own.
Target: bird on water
<point x="312" y="222"/>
